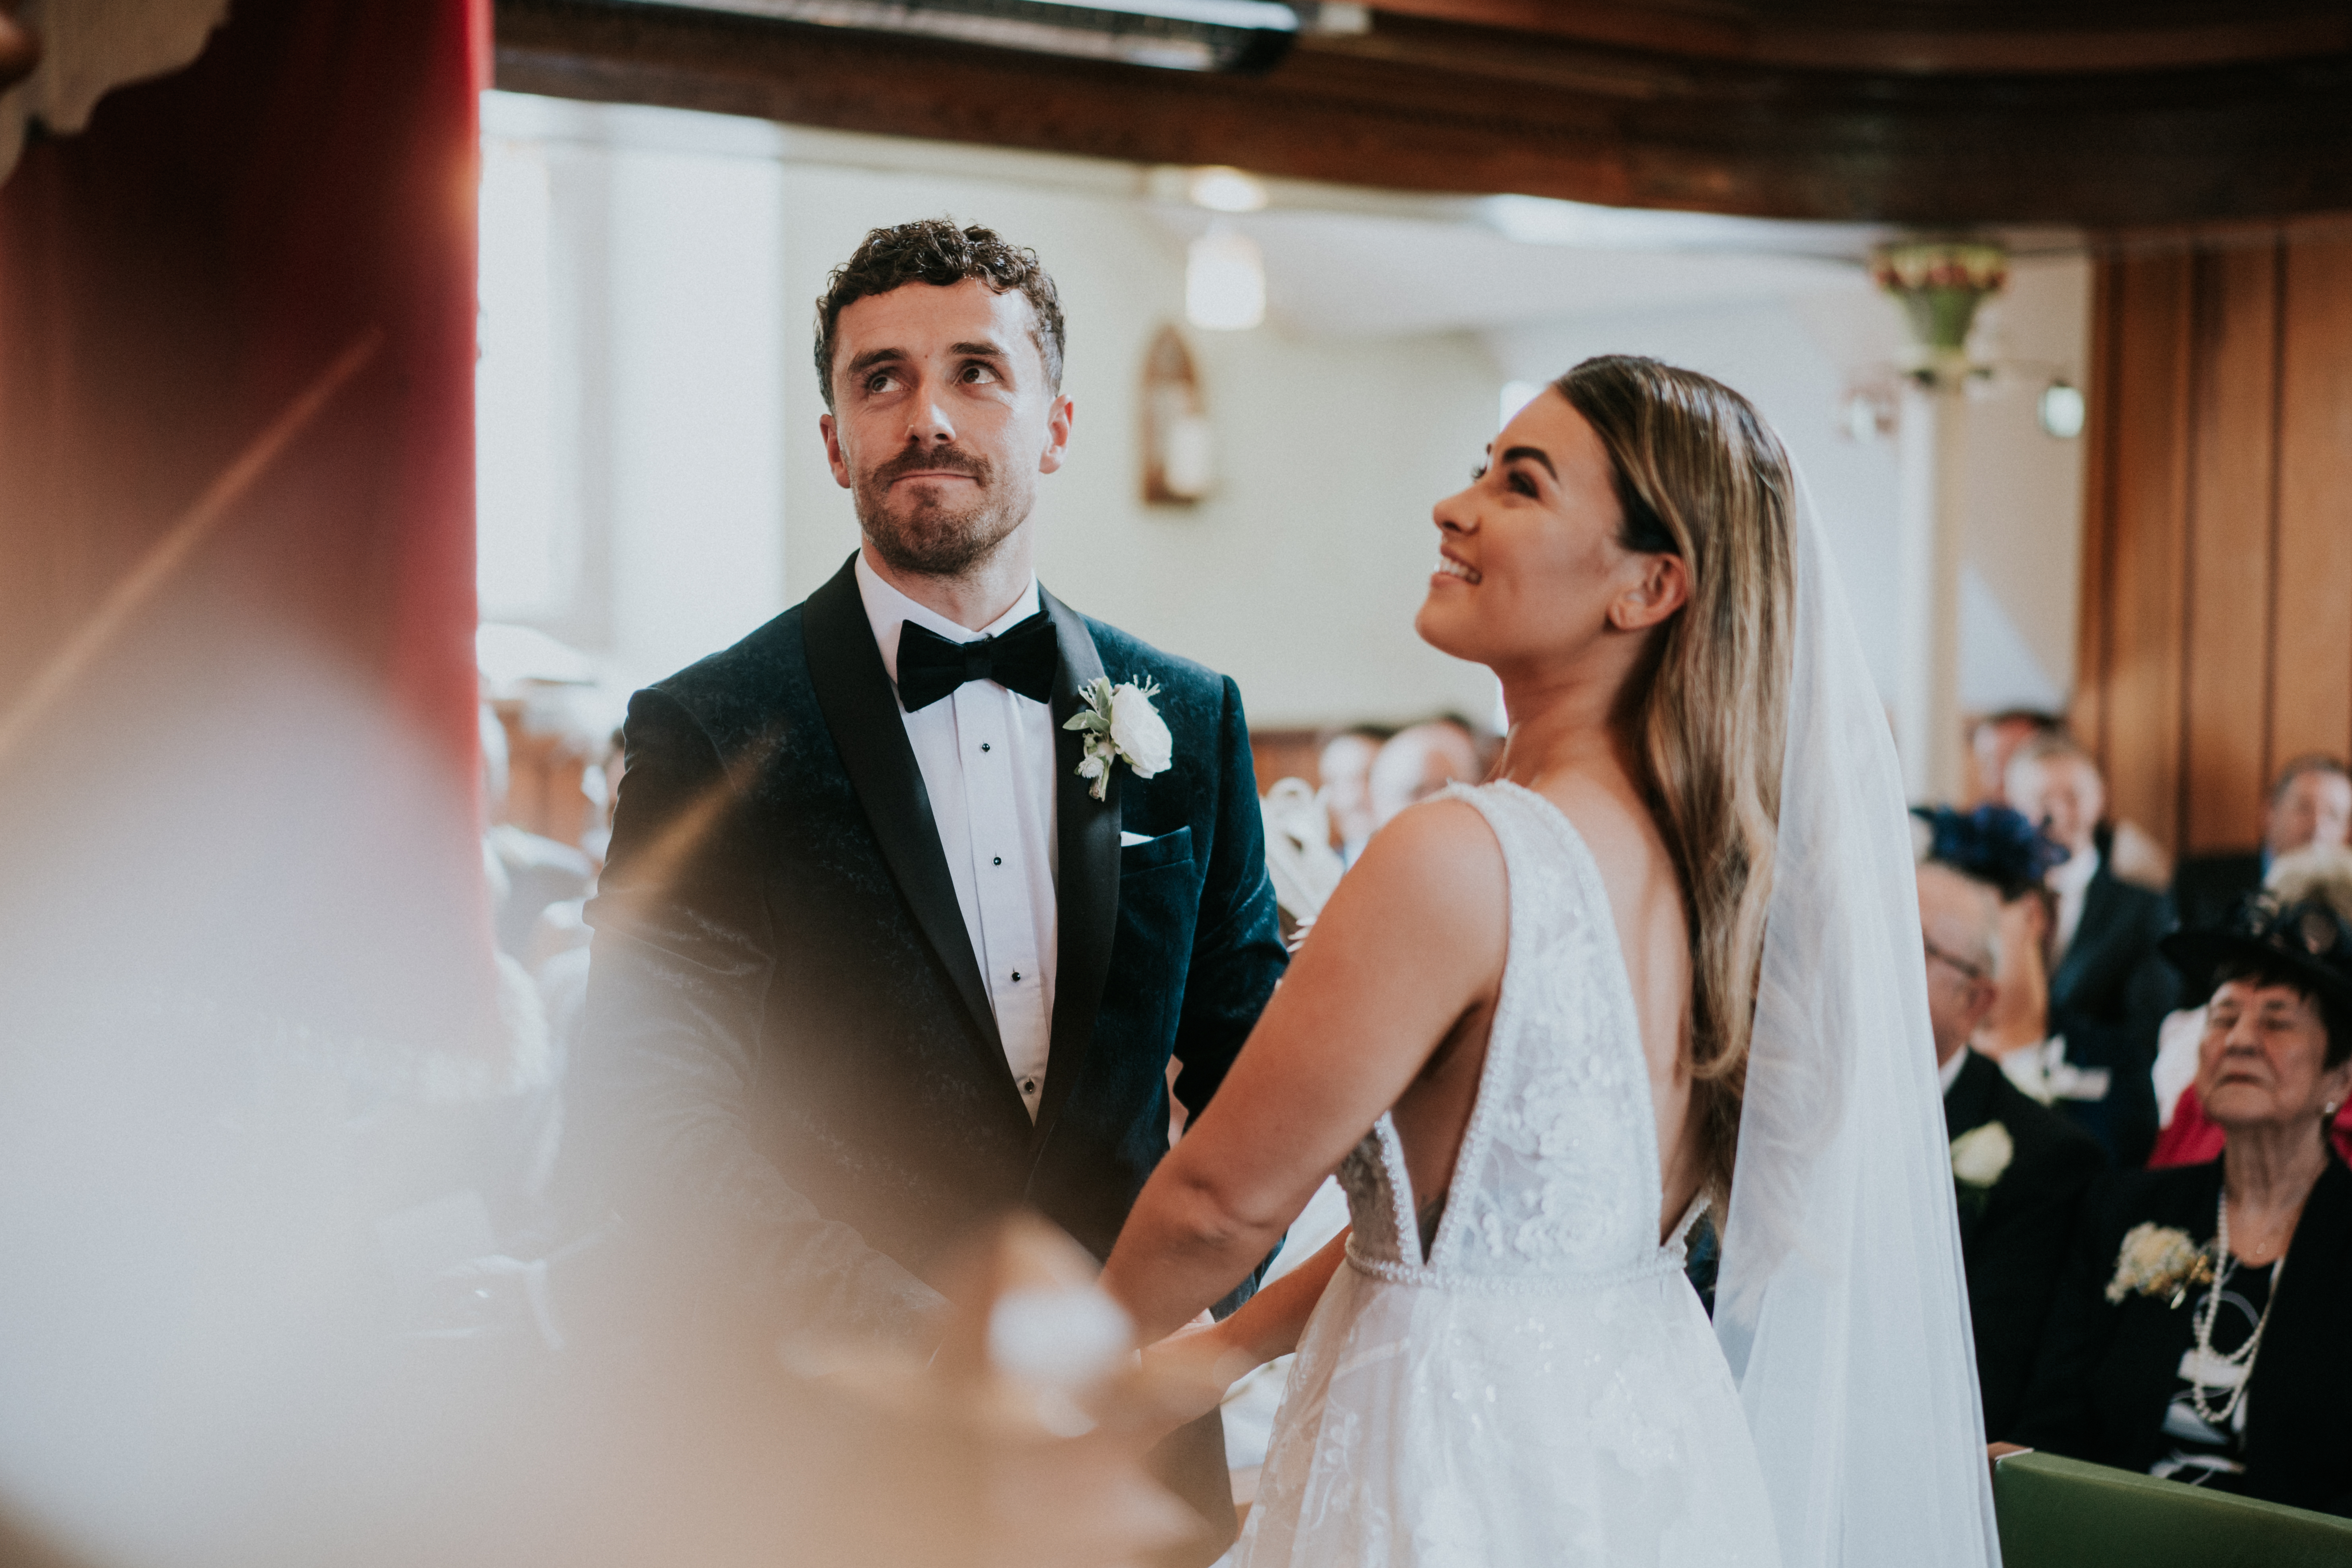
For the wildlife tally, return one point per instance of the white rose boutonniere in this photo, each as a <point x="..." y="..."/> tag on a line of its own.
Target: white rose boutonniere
<point x="1981" y="1153"/>
<point x="1121" y="725"/>
<point x="2158" y="1261"/>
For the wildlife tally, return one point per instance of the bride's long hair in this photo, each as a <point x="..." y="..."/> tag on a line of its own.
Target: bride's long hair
<point x="1699" y="475"/>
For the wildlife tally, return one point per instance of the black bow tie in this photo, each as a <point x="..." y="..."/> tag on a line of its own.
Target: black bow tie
<point x="1020" y="658"/>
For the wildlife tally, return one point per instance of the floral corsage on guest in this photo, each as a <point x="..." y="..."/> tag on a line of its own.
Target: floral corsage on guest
<point x="1121" y="725"/>
<point x="1979" y="1155"/>
<point x="2158" y="1261"/>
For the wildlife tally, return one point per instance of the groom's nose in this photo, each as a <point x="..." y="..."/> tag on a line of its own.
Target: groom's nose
<point x="927" y="422"/>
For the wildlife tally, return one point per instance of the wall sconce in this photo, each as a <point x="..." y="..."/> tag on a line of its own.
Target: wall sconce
<point x="1224" y="281"/>
<point x="1179" y="449"/>
<point x="2060" y="410"/>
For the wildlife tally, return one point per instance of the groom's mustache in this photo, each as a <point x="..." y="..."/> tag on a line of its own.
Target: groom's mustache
<point x="936" y="459"/>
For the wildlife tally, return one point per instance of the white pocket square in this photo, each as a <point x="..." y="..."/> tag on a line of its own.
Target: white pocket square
<point x="1127" y="839"/>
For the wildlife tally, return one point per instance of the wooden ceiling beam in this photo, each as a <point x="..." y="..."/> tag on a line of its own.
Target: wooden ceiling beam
<point x="2044" y="40"/>
<point x="1441" y="107"/>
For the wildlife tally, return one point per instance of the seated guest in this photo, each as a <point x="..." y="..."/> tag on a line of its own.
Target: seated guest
<point x="2310" y="804"/>
<point x="1418" y="761"/>
<point x="2019" y="1169"/>
<point x="1993" y="740"/>
<point x="525" y="872"/>
<point x="1343" y="770"/>
<point x="2191" y="1136"/>
<point x="2178" y="1344"/>
<point x="2109" y="990"/>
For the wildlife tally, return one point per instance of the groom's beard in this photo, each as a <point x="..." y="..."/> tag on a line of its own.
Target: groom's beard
<point x="920" y="534"/>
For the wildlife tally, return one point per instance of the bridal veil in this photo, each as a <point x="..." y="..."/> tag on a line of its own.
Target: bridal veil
<point x="1840" y="1305"/>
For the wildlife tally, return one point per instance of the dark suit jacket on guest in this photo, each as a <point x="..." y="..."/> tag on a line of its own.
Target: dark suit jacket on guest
<point x="792" y="1060"/>
<point x="2014" y="1242"/>
<point x="2108" y="1373"/>
<point x="2108" y="996"/>
<point x="2207" y="888"/>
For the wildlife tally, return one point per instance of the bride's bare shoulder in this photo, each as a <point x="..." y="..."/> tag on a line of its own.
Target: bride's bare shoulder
<point x="1439" y="857"/>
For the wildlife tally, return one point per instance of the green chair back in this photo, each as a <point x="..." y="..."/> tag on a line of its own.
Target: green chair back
<point x="2064" y="1513"/>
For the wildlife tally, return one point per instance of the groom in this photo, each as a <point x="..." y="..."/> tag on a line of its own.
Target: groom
<point x="882" y="949"/>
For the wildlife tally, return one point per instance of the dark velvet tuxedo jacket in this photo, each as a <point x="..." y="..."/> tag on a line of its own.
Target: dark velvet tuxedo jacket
<point x="2014" y="1245"/>
<point x="2108" y="996"/>
<point x="2108" y="1373"/>
<point x="2205" y="889"/>
<point x="794" y="1061"/>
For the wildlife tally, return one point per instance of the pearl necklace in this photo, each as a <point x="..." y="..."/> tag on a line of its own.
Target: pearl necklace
<point x="2241" y="1360"/>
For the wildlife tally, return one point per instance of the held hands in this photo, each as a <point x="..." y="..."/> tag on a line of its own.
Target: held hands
<point x="1188" y="1372"/>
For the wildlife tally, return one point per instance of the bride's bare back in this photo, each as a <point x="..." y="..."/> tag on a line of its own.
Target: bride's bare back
<point x="1654" y="938"/>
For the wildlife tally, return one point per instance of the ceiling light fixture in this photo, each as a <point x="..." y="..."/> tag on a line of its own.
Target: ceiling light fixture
<point x="1223" y="190"/>
<point x="2060" y="410"/>
<point x="1224" y="281"/>
<point x="1240" y="37"/>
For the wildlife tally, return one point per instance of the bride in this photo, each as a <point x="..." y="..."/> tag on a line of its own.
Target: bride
<point x="1667" y="958"/>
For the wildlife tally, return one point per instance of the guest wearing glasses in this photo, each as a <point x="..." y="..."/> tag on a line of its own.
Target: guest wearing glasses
<point x="2199" y="1330"/>
<point x="2018" y="1170"/>
<point x="2316" y="871"/>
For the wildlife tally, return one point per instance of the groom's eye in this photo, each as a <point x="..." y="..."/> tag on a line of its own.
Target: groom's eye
<point x="979" y="373"/>
<point x="881" y="380"/>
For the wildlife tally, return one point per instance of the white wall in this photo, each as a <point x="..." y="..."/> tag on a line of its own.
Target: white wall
<point x="707" y="505"/>
<point x="687" y="252"/>
<point x="1795" y="356"/>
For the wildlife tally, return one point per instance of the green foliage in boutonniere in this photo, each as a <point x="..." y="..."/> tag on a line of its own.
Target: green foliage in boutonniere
<point x="1121" y="725"/>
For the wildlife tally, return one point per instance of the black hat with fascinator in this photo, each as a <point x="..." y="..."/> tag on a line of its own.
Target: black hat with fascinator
<point x="2306" y="942"/>
<point x="1992" y="844"/>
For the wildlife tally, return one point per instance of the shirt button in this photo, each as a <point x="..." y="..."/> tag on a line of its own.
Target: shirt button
<point x="998" y="861"/>
<point x="1016" y="974"/>
<point x="983" y="745"/>
<point x="1028" y="1085"/>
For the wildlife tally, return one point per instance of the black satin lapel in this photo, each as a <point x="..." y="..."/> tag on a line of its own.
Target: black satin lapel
<point x="1968" y="1104"/>
<point x="1087" y="890"/>
<point x="853" y="691"/>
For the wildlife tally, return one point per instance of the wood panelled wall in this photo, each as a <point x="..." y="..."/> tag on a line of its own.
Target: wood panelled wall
<point x="2217" y="582"/>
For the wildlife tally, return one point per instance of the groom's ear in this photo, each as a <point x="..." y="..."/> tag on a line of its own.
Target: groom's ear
<point x="832" y="434"/>
<point x="1662" y="587"/>
<point x="1059" y="416"/>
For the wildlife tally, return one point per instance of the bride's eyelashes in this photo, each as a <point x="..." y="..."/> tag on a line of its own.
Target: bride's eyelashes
<point x="1518" y="483"/>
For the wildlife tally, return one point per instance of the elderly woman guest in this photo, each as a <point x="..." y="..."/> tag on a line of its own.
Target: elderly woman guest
<point x="2201" y="1330"/>
<point x="2190" y="1137"/>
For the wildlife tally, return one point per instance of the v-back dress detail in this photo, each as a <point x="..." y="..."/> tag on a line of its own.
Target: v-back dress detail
<point x="1543" y="1387"/>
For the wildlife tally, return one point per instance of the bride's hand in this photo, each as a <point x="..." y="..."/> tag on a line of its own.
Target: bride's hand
<point x="1185" y="1375"/>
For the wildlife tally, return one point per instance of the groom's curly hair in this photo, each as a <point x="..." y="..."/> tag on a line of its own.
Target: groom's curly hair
<point x="934" y="250"/>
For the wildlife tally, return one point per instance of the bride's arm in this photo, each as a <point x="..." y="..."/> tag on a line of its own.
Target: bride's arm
<point x="1205" y="1362"/>
<point x="1412" y="939"/>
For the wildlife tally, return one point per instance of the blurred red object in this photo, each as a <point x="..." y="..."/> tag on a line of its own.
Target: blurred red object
<point x="2194" y="1138"/>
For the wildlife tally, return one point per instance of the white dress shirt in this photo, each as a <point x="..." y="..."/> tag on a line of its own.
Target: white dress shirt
<point x="987" y="760"/>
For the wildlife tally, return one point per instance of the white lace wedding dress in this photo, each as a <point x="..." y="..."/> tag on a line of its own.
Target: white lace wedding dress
<point x="1543" y="1388"/>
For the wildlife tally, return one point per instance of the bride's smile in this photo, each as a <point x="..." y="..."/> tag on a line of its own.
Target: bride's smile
<point x="1447" y="566"/>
